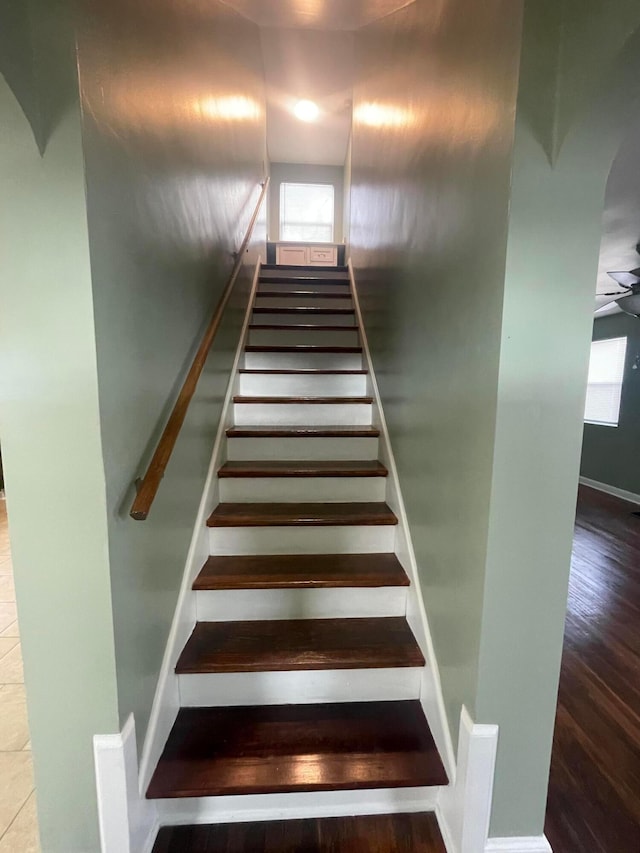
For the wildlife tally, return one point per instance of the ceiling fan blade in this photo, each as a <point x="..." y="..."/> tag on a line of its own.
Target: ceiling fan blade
<point x="626" y="278"/>
<point x="605" y="307"/>
<point x="615" y="293"/>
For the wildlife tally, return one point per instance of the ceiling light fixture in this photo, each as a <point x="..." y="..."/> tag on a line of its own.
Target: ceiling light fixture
<point x="306" y="111"/>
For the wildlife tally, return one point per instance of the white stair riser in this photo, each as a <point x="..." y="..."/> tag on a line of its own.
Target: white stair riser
<point x="300" y="688"/>
<point x="292" y="385"/>
<point x="309" y="319"/>
<point x="304" y="804"/>
<point x="340" y="285"/>
<point x="308" y="449"/>
<point x="302" y="414"/>
<point x="343" y="337"/>
<point x="303" y="361"/>
<point x="298" y="301"/>
<point x="302" y="489"/>
<point x="338" y="539"/>
<point x="232" y="605"/>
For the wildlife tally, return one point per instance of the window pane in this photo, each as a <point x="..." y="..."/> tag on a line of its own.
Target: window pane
<point x="306" y="212"/>
<point x="606" y="374"/>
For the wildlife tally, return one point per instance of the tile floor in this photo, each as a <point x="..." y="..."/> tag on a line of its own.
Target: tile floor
<point x="18" y="820"/>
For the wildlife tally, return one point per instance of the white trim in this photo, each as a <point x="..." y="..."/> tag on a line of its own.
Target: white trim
<point x="611" y="490"/>
<point x="297" y="805"/>
<point x="431" y="693"/>
<point x="128" y="822"/>
<point x="166" y="702"/>
<point x="464" y="808"/>
<point x="533" y="844"/>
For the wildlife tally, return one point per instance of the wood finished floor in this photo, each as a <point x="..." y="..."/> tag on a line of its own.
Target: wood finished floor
<point x="594" y="791"/>
<point x="405" y="833"/>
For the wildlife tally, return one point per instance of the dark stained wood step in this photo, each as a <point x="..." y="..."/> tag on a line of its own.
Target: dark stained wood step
<point x="287" y="645"/>
<point x="307" y="371"/>
<point x="394" y="833"/>
<point x="305" y="268"/>
<point x="303" y="468"/>
<point x="243" y="399"/>
<point x="303" y="294"/>
<point x="301" y="571"/>
<point x="303" y="432"/>
<point x="301" y="279"/>
<point x="301" y="515"/>
<point x="308" y="311"/>
<point x="302" y="348"/>
<point x="301" y="327"/>
<point x="282" y="748"/>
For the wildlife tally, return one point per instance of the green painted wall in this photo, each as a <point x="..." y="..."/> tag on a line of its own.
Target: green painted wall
<point x="173" y="106"/>
<point x="52" y="456"/>
<point x="429" y="203"/>
<point x="552" y="261"/>
<point x="610" y="455"/>
<point x="477" y="262"/>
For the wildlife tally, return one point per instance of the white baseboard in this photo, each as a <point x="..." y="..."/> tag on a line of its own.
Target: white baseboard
<point x="166" y="702"/>
<point x="431" y="696"/>
<point x="611" y="490"/>
<point x="534" y="844"/>
<point x="464" y="808"/>
<point x="128" y="822"/>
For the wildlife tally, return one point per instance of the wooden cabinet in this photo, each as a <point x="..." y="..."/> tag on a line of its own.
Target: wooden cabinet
<point x="310" y="254"/>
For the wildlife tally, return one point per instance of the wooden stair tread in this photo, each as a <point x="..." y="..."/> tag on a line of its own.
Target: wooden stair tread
<point x="242" y="399"/>
<point x="283" y="748"/>
<point x="301" y="348"/>
<point x="303" y="468"/>
<point x="301" y="514"/>
<point x="342" y="268"/>
<point x="392" y="833"/>
<point x="303" y="432"/>
<point x="305" y="371"/>
<point x="301" y="571"/>
<point x="298" y="327"/>
<point x="307" y="311"/>
<point x="300" y="644"/>
<point x="303" y="294"/>
<point x="301" y="279"/>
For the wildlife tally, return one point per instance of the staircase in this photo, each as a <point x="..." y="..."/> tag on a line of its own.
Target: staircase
<point x="301" y="680"/>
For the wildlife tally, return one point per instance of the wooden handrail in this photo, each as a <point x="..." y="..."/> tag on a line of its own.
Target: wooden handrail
<point x="149" y="484"/>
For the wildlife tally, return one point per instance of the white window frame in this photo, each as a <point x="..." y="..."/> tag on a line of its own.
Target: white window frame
<point x="603" y="373"/>
<point x="282" y="222"/>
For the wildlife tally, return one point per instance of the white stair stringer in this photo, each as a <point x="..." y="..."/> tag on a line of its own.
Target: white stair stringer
<point x="431" y="695"/>
<point x="166" y="701"/>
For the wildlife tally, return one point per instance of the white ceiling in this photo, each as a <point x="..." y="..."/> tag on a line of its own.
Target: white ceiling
<point x="317" y="14"/>
<point x="621" y="218"/>
<point x="308" y="51"/>
<point x="308" y="64"/>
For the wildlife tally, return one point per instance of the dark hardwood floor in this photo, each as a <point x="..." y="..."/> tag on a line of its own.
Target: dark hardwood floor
<point x="405" y="833"/>
<point x="594" y="792"/>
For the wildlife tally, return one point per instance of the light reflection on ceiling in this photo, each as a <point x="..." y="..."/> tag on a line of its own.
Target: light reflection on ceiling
<point x="316" y="14"/>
